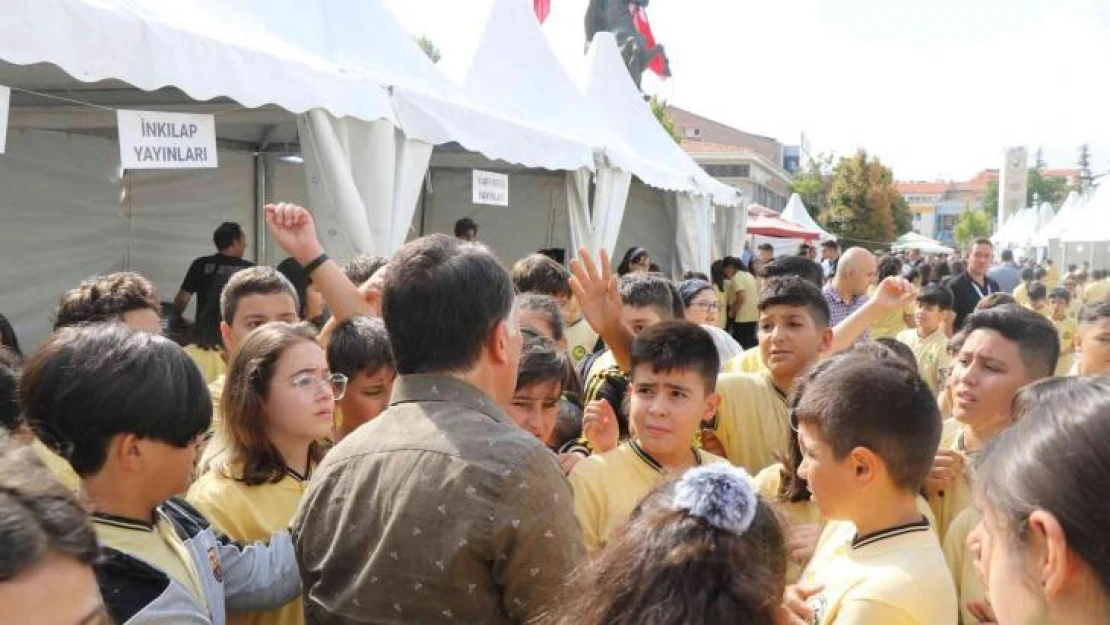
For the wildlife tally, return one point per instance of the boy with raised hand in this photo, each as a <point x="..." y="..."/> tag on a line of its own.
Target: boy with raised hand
<point x="928" y="340"/>
<point x="131" y="409"/>
<point x="1059" y="300"/>
<point x="877" y="562"/>
<point x="1093" y="339"/>
<point x="674" y="372"/>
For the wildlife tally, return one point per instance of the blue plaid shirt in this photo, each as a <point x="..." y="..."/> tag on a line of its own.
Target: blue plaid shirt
<point x="840" y="310"/>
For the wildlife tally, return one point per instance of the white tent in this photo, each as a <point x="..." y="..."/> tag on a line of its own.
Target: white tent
<point x="610" y="90"/>
<point x="796" y="212"/>
<point x="346" y="65"/>
<point x="921" y="243"/>
<point x="1091" y="223"/>
<point x="1059" y="221"/>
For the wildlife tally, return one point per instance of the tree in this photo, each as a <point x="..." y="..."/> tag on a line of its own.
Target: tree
<point x="1085" y="175"/>
<point x="659" y="109"/>
<point x="429" y="48"/>
<point x="990" y="198"/>
<point x="1051" y="189"/>
<point x="903" y="216"/>
<point x="812" y="183"/>
<point x="862" y="201"/>
<point x="972" y="224"/>
<point x="1039" y="163"/>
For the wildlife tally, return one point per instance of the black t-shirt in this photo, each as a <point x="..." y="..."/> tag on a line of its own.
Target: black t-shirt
<point x="205" y="272"/>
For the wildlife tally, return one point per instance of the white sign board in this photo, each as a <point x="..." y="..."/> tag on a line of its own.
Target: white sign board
<point x="5" y="102"/>
<point x="152" y="140"/>
<point x="1013" y="184"/>
<point x="491" y="188"/>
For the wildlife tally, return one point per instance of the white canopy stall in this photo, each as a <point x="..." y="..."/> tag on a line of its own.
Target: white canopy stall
<point x="1086" y="236"/>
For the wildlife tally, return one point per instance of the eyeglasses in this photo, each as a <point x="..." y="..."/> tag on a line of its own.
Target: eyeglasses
<point x="335" y="383"/>
<point x="706" y="306"/>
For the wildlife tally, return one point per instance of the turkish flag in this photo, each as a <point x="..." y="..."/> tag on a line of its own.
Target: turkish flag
<point x="658" y="64"/>
<point x="543" y="9"/>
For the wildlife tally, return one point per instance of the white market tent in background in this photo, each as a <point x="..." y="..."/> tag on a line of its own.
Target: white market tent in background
<point x="921" y="243"/>
<point x="1086" y="235"/>
<point x="372" y="106"/>
<point x="796" y="212"/>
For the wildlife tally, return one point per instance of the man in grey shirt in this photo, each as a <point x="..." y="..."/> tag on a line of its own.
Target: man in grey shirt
<point x="1007" y="274"/>
<point x="440" y="509"/>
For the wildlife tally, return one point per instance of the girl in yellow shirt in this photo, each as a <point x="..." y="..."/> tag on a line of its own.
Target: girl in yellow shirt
<point x="278" y="404"/>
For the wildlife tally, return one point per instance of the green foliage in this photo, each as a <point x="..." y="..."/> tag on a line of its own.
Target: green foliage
<point x="429" y="48"/>
<point x="972" y="224"/>
<point x="812" y="183"/>
<point x="990" y="198"/>
<point x="903" y="216"/>
<point x="862" y="201"/>
<point x="1052" y="189"/>
<point x="659" y="109"/>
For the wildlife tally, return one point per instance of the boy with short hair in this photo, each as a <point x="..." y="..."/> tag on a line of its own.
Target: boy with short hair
<point x="540" y="274"/>
<point x="1093" y="339"/>
<point x="1021" y="291"/>
<point x="674" y="373"/>
<point x="1038" y="298"/>
<point x="928" y="340"/>
<point x="752" y="423"/>
<point x="1001" y="350"/>
<point x="1059" y="300"/>
<point x="359" y="349"/>
<point x="123" y="296"/>
<point x="131" y="408"/>
<point x="877" y="562"/>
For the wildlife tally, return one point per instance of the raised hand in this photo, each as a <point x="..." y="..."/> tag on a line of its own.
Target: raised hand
<point x="599" y="425"/>
<point x="596" y="290"/>
<point x="293" y="228"/>
<point x="893" y="293"/>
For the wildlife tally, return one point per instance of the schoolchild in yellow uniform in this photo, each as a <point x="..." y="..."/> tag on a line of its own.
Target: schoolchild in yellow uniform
<point x="1093" y="343"/>
<point x="794" y="330"/>
<point x="1059" y="300"/>
<point x="928" y="340"/>
<point x="359" y="349"/>
<point x="132" y="408"/>
<point x="674" y="373"/>
<point x="877" y="561"/>
<point x="278" y="404"/>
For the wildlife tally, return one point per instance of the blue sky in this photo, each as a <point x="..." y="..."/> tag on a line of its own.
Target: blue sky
<point x="935" y="89"/>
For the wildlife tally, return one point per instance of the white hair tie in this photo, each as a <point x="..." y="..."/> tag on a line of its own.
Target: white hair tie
<point x="719" y="493"/>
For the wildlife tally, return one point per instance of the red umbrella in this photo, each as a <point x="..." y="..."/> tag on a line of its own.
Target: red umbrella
<point x="780" y="228"/>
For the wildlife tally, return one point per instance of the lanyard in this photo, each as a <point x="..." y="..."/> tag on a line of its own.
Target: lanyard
<point x="980" y="291"/>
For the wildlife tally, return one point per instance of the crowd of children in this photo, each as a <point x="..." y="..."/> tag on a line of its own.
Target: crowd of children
<point x="777" y="443"/>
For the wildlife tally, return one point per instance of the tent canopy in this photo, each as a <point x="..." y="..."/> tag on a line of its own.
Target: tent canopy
<point x="1091" y="220"/>
<point x="1060" y="220"/>
<point x="796" y="212"/>
<point x="922" y="243"/>
<point x="780" y="228"/>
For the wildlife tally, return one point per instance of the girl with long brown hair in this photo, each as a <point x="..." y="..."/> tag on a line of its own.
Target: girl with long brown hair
<point x="278" y="404"/>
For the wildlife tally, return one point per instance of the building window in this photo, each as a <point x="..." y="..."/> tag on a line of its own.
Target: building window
<point x="692" y="133"/>
<point x="728" y="171"/>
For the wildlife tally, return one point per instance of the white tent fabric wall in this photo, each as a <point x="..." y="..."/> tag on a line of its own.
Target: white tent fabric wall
<point x="597" y="228"/>
<point x="535" y="219"/>
<point x="367" y="174"/>
<point x="649" y="223"/>
<point x="693" y="233"/>
<point x="729" y="228"/>
<point x="65" y="214"/>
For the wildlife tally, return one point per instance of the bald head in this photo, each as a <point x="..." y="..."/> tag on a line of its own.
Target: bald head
<point x="856" y="271"/>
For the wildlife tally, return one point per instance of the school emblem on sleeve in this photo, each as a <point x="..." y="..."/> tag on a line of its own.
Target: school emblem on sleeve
<point x="578" y="353"/>
<point x="214" y="562"/>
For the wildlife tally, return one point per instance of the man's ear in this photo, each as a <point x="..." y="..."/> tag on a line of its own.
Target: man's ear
<point x="499" y="340"/>
<point x="225" y="334"/>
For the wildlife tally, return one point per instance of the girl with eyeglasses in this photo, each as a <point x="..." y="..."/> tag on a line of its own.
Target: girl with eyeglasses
<point x="278" y="405"/>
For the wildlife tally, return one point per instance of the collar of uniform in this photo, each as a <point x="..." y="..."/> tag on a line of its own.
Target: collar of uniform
<point x="781" y="394"/>
<point x="647" y="458"/>
<point x="917" y="526"/>
<point x="122" y="522"/>
<point x="444" y="388"/>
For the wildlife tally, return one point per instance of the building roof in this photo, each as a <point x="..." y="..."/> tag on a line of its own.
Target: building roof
<point x="918" y="187"/>
<point x="1065" y="172"/>
<point x="694" y="146"/>
<point x="682" y="117"/>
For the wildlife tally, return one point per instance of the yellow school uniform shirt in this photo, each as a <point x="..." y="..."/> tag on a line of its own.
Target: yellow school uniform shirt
<point x="752" y="421"/>
<point x="1051" y="278"/>
<point x="607" y="487"/>
<point x="894" y="577"/>
<point x="795" y="513"/>
<point x="156" y="544"/>
<point x="216" y="390"/>
<point x="250" y="514"/>
<point x="961" y="564"/>
<point x="1021" y="294"/>
<point x="931" y="353"/>
<point x="209" y="361"/>
<point x="581" y="340"/>
<point x="58" y="465"/>
<point x="952" y="502"/>
<point x="751" y="361"/>
<point x="1067" y="329"/>
<point x="722" y="308"/>
<point x="889" y="324"/>
<point x="730" y="290"/>
<point x="749" y="310"/>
